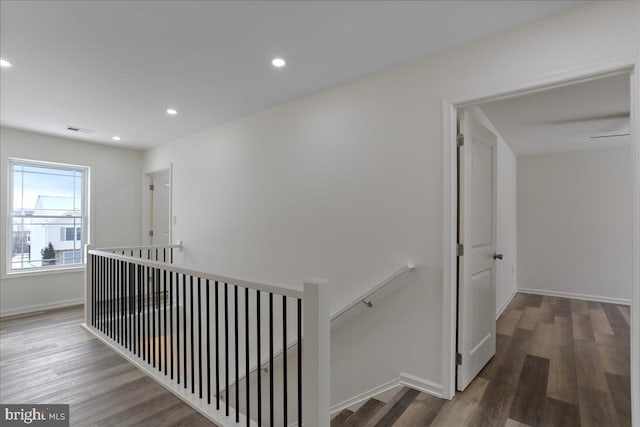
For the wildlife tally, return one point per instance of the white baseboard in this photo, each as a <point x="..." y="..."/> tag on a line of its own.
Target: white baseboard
<point x="504" y="306"/>
<point x="597" y="298"/>
<point x="363" y="397"/>
<point x="408" y="380"/>
<point x="421" y="384"/>
<point x="41" y="307"/>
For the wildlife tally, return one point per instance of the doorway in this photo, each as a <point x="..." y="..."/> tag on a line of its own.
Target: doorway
<point x="451" y="222"/>
<point x="159" y="207"/>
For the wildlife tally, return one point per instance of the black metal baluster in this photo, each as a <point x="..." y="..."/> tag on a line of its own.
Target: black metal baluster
<point x="193" y="385"/>
<point x="171" y="255"/>
<point x="138" y="308"/>
<point x="132" y="304"/>
<point x="164" y="254"/>
<point x="171" y="322"/>
<point x="236" y="355"/>
<point x="178" y="327"/>
<point x="146" y="306"/>
<point x="184" y="325"/>
<point x="259" y="358"/>
<point x="271" y="397"/>
<point x="157" y="340"/>
<point x="199" y="338"/>
<point x="217" y="348"/>
<point x="93" y="290"/>
<point x="299" y="362"/>
<point x="284" y="356"/>
<point x="156" y="254"/>
<point x="164" y="318"/>
<point x="208" y="346"/>
<point x="123" y="304"/>
<point x="154" y="351"/>
<point x="118" y="303"/>
<point x="246" y="353"/>
<point x="114" y="298"/>
<point x="111" y="298"/>
<point x="226" y="346"/>
<point x="123" y="274"/>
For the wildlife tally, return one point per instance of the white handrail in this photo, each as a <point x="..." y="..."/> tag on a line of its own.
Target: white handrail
<point x="364" y="298"/>
<point x="276" y="289"/>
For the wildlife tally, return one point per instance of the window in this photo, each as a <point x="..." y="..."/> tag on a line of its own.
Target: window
<point x="72" y="257"/>
<point x="47" y="214"/>
<point x="66" y="233"/>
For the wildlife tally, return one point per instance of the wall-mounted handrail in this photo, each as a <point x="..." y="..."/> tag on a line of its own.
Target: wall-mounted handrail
<point x="365" y="298"/>
<point x="276" y="289"/>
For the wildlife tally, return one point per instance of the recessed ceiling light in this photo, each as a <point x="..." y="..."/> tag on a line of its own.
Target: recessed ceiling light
<point x="5" y="64"/>
<point x="278" y="62"/>
<point x="171" y="112"/>
<point x="115" y="138"/>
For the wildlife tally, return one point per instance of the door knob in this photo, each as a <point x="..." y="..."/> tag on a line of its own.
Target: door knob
<point x="497" y="256"/>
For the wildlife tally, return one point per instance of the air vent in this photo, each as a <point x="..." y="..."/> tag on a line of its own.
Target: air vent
<point x="81" y="130"/>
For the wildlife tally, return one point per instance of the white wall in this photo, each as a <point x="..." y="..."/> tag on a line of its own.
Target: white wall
<point x="115" y="212"/>
<point x="505" y="216"/>
<point x="347" y="184"/>
<point x="574" y="223"/>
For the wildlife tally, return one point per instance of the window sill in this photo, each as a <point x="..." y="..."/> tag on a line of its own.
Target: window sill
<point x="47" y="272"/>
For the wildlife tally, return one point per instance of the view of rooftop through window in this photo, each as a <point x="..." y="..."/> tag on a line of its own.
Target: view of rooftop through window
<point x="47" y="215"/>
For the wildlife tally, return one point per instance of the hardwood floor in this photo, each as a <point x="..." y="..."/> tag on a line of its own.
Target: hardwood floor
<point x="559" y="362"/>
<point x="50" y="358"/>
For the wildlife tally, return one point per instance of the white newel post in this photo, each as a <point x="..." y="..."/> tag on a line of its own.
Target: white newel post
<point x="316" y="355"/>
<point x="88" y="288"/>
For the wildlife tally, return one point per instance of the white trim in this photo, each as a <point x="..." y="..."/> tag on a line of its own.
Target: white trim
<point x="635" y="250"/>
<point x="408" y="380"/>
<point x="76" y="268"/>
<point x="504" y="306"/>
<point x="586" y="297"/>
<point x="583" y="72"/>
<point x="364" y="396"/>
<point x="421" y="384"/>
<point x="199" y="405"/>
<point x="41" y="307"/>
<point x="449" y="259"/>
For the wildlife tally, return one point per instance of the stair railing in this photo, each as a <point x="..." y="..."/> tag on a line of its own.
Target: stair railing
<point x="198" y="333"/>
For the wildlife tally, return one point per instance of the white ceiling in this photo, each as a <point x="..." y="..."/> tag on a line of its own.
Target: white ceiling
<point x="564" y="119"/>
<point x="116" y="66"/>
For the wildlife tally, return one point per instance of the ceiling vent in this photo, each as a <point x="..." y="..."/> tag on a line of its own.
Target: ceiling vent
<point x="81" y="130"/>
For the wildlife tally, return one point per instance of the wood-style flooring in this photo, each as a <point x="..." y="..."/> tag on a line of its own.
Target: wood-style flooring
<point x="50" y="358"/>
<point x="559" y="362"/>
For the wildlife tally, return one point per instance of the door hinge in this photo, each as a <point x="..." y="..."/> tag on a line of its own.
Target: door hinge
<point x="458" y="359"/>
<point x="150" y="233"/>
<point x="152" y="187"/>
<point x="459" y="140"/>
<point x="459" y="249"/>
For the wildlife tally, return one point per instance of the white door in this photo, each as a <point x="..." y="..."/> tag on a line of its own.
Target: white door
<point x="160" y="215"/>
<point x="477" y="234"/>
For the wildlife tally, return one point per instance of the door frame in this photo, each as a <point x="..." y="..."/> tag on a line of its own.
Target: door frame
<point x="146" y="204"/>
<point x="627" y="65"/>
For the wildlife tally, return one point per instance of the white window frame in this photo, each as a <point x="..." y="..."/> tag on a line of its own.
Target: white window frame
<point x="86" y="172"/>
